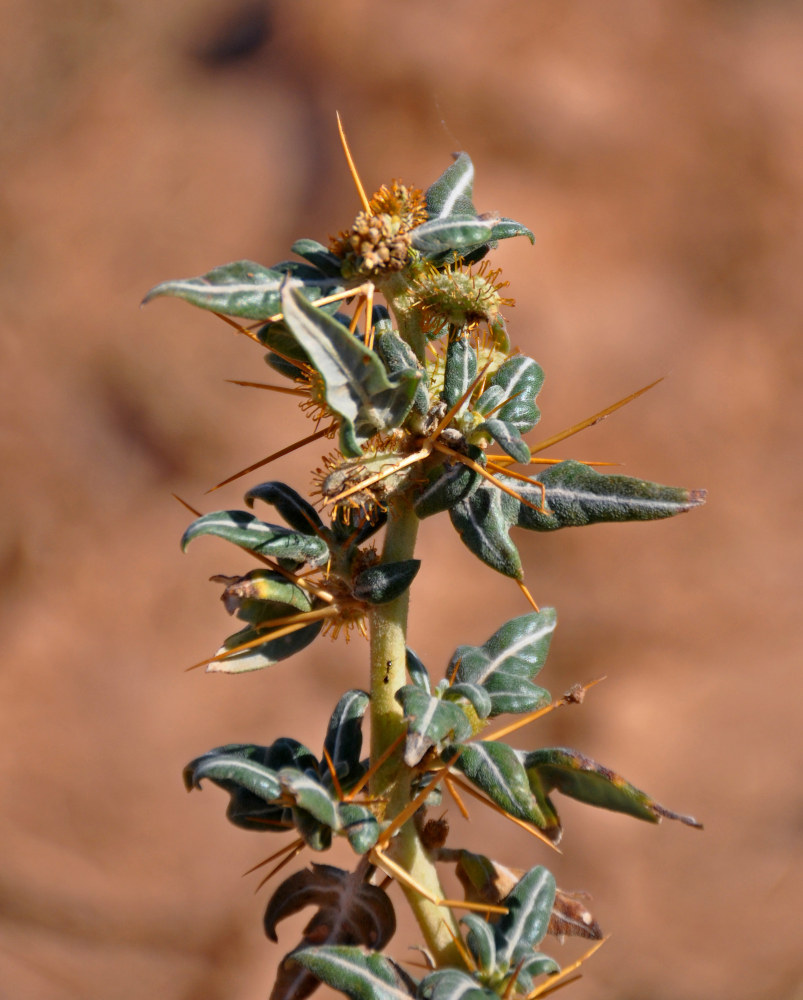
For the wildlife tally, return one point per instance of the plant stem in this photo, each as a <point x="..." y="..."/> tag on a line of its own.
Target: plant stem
<point x="396" y="290"/>
<point x="388" y="624"/>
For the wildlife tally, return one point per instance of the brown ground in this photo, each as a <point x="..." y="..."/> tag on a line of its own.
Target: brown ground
<point x="657" y="151"/>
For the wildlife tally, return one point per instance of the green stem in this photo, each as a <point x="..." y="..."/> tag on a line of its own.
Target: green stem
<point x="396" y="290"/>
<point x="388" y="625"/>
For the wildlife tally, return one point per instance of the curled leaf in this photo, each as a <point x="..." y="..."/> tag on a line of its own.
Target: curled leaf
<point x="520" y="379"/>
<point x="343" y="742"/>
<point x="356" y="383"/>
<point x="453" y="984"/>
<point x="349" y="970"/>
<point x="247" y="289"/>
<point x="571" y="918"/>
<point x="495" y="768"/>
<point x="507" y="662"/>
<point x="260" y="655"/>
<point x="483" y="522"/>
<point x="577" y="495"/>
<point x="250" y="533"/>
<point x="250" y="775"/>
<point x="430" y="721"/>
<point x="584" y="779"/>
<point x="292" y="506"/>
<point x="386" y="582"/>
<point x="349" y="909"/>
<point x="529" y="906"/>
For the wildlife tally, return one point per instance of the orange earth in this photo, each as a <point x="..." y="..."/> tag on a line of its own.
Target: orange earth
<point x="656" y="149"/>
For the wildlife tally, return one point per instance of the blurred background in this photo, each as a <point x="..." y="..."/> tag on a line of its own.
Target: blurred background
<point x="656" y="150"/>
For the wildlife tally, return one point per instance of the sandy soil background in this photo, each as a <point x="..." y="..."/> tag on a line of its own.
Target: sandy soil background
<point x="656" y="149"/>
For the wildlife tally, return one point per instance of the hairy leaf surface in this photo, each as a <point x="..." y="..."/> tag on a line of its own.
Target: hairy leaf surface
<point x="250" y="533"/>
<point x="453" y="984"/>
<point x="520" y="379"/>
<point x="386" y="582"/>
<point x="496" y="770"/>
<point x="298" y="513"/>
<point x="247" y="289"/>
<point x="577" y="495"/>
<point x="506" y="436"/>
<point x="430" y="721"/>
<point x="483" y="522"/>
<point x="529" y="906"/>
<point x="361" y="977"/>
<point x="343" y="741"/>
<point x="264" y="654"/>
<point x="584" y="779"/>
<point x="460" y="372"/>
<point x="507" y="662"/>
<point x="357" y="386"/>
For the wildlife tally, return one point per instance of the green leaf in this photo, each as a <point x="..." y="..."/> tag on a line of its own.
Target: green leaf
<point x="455" y="233"/>
<point x="349" y="970"/>
<point x="520" y="379"/>
<point x="319" y="256"/>
<point x="476" y="696"/>
<point x="447" y="485"/>
<point x="241" y="771"/>
<point x="529" y="906"/>
<point x="583" y="779"/>
<point x="286" y="355"/>
<point x="505" y="228"/>
<point x="343" y="740"/>
<point x="253" y="535"/>
<point x="450" y="198"/>
<point x="452" y="192"/>
<point x="578" y="495"/>
<point x="266" y="654"/>
<point x="249" y="773"/>
<point x="419" y="674"/>
<point x="262" y="595"/>
<point x="489" y="400"/>
<point x="483" y="522"/>
<point x="453" y="984"/>
<point x="316" y="835"/>
<point x="532" y="965"/>
<point x="359" y="824"/>
<point x="497" y="771"/>
<point x="506" y="436"/>
<point x="292" y="506"/>
<point x="461" y="370"/>
<point x="356" y="384"/>
<point x="481" y="941"/>
<point x="507" y="662"/>
<point x="430" y="720"/>
<point x="397" y="357"/>
<point x="247" y="289"/>
<point x="311" y="795"/>
<point x="386" y="582"/>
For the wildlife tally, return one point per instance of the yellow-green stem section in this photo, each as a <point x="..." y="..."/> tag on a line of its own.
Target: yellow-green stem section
<point x="388" y="625"/>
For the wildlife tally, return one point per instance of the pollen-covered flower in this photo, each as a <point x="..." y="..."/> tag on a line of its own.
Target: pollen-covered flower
<point x="379" y="240"/>
<point x="459" y="296"/>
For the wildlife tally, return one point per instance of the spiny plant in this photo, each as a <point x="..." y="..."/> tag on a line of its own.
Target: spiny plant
<point x="428" y="403"/>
